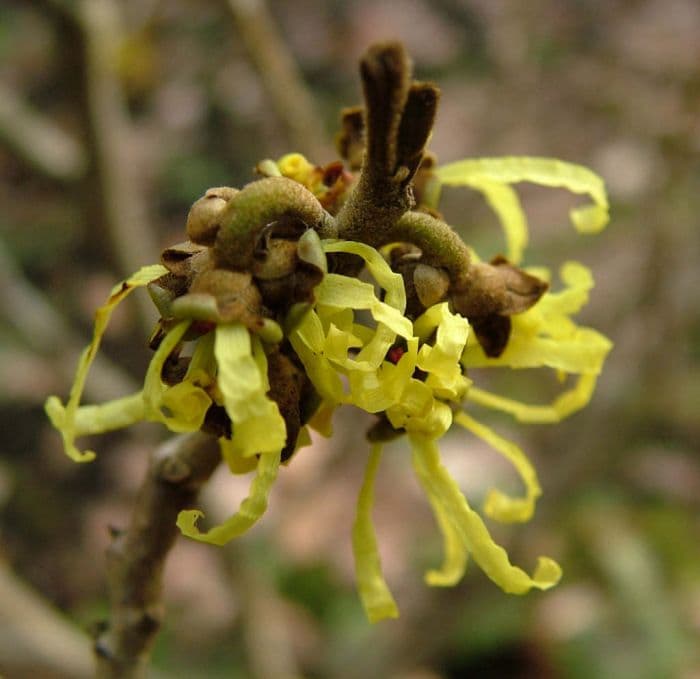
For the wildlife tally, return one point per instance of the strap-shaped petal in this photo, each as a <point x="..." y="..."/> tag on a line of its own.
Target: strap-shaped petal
<point x="258" y="426"/>
<point x="566" y="403"/>
<point x="109" y="416"/>
<point x="358" y="295"/>
<point x="483" y="173"/>
<point x="490" y="557"/>
<point x="498" y="505"/>
<point x="374" y="592"/>
<point x="389" y="280"/>
<point x="455" y="554"/>
<point x="442" y="360"/>
<point x="251" y="509"/>
<point x="308" y="342"/>
<point x="505" y="202"/>
<point x="186" y="403"/>
<point x="545" y="336"/>
<point x="64" y="417"/>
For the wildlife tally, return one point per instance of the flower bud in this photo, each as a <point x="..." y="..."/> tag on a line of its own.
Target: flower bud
<point x="203" y="219"/>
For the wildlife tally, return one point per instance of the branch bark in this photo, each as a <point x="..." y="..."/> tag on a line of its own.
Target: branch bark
<point x="136" y="557"/>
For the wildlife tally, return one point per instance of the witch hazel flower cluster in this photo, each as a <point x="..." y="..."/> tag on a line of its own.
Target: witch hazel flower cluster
<point x="316" y="287"/>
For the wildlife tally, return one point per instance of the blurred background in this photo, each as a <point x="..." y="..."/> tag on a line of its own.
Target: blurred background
<point x="116" y="116"/>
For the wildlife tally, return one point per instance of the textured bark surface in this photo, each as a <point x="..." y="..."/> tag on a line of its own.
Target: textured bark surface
<point x="136" y="557"/>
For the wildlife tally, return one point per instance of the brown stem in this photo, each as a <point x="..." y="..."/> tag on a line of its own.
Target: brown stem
<point x="399" y="117"/>
<point x="440" y="244"/>
<point x="136" y="557"/>
<point x="258" y="204"/>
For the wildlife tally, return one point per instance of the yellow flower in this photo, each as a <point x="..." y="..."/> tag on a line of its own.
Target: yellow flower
<point x="422" y="390"/>
<point x="228" y="365"/>
<point x="412" y="373"/>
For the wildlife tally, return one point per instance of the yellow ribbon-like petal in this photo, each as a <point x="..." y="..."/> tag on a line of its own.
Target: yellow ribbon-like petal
<point x="566" y="403"/>
<point x="442" y="360"/>
<point x="455" y="555"/>
<point x="64" y="417"/>
<point x="98" y="419"/>
<point x="181" y="408"/>
<point x="486" y="174"/>
<point x="498" y="505"/>
<point x="251" y="509"/>
<point x="374" y="593"/>
<point x="258" y="426"/>
<point x="545" y="336"/>
<point x="490" y="557"/>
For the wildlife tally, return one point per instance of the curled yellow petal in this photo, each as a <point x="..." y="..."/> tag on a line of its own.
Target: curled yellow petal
<point x="258" y="426"/>
<point x="63" y="417"/>
<point x="490" y="557"/>
<point x="498" y="505"/>
<point x="389" y="280"/>
<point x="505" y="202"/>
<point x="374" y="593"/>
<point x="342" y="292"/>
<point x="566" y="403"/>
<point x="251" y="509"/>
<point x="442" y="360"/>
<point x="184" y="407"/>
<point x="308" y="342"/>
<point x="116" y="414"/>
<point x="181" y="398"/>
<point x="455" y="555"/>
<point x="482" y="172"/>
<point x="322" y="419"/>
<point x="545" y="336"/>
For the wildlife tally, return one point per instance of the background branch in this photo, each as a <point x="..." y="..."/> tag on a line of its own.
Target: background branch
<point x="39" y="142"/>
<point x="46" y="332"/>
<point x="280" y="75"/>
<point x="136" y="557"/>
<point x="36" y="638"/>
<point x="120" y="170"/>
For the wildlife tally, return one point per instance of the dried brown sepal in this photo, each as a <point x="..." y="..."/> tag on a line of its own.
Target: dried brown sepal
<point x="497" y="288"/>
<point x="290" y="271"/>
<point x="492" y="332"/>
<point x="495" y="292"/>
<point x="279" y="260"/>
<point x="416" y="124"/>
<point x="350" y="141"/>
<point x="431" y="284"/>
<point x="385" y="70"/>
<point x="185" y="259"/>
<point x="425" y="285"/>
<point x="286" y="386"/>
